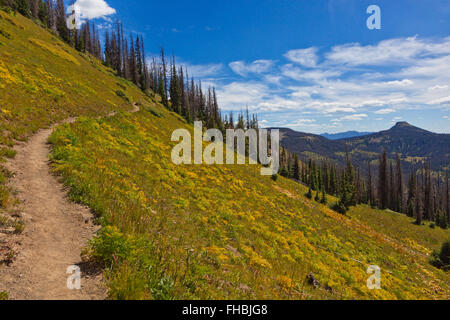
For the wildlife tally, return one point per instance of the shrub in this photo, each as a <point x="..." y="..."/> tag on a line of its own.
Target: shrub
<point x="122" y="94"/>
<point x="442" y="259"/>
<point x="309" y="194"/>
<point x="7" y="152"/>
<point x="324" y="197"/>
<point x="4" y="295"/>
<point x="441" y="219"/>
<point x="339" y="207"/>
<point x="110" y="246"/>
<point x="5" y="34"/>
<point x="317" y="198"/>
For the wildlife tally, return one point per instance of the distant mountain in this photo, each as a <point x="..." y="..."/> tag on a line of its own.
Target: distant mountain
<point x="344" y="135"/>
<point x="412" y="143"/>
<point x="308" y="145"/>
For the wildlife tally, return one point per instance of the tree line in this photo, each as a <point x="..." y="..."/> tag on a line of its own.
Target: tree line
<point x="425" y="196"/>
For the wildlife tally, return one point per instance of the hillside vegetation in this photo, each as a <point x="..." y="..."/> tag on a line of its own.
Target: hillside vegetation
<point x="43" y="81"/>
<point x="225" y="231"/>
<point x="200" y="232"/>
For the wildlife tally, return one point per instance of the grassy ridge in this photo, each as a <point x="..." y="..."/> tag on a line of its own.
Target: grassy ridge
<point x="225" y="231"/>
<point x="43" y="81"/>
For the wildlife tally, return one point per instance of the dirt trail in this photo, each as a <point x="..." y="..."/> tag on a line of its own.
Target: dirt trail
<point x="56" y="231"/>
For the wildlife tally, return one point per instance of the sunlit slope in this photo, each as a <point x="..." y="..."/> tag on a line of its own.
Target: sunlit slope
<point x="43" y="80"/>
<point x="226" y="231"/>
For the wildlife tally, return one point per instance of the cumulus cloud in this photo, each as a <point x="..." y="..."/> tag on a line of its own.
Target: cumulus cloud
<point x="305" y="57"/>
<point x="443" y="100"/>
<point x="258" y="66"/>
<point x="402" y="83"/>
<point x="296" y="73"/>
<point x="91" y="9"/>
<point x="236" y="95"/>
<point x="438" y="87"/>
<point x="384" y="111"/>
<point x="200" y="71"/>
<point x="354" y="117"/>
<point x="400" y="50"/>
<point x="302" y="123"/>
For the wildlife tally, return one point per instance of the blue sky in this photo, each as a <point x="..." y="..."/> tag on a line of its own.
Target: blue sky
<point x="312" y="65"/>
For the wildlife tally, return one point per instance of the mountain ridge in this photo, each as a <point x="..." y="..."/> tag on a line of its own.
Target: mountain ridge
<point x="344" y="135"/>
<point x="415" y="146"/>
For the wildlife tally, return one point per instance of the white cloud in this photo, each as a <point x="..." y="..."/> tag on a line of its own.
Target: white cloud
<point x="302" y="123"/>
<point x="384" y="111"/>
<point x="438" y="87"/>
<point x="402" y="83"/>
<point x="397" y="119"/>
<point x="236" y="95"/>
<point x="293" y="72"/>
<point x="392" y="51"/>
<point x="443" y="100"/>
<point x="258" y="66"/>
<point x="305" y="57"/>
<point x="199" y="71"/>
<point x="352" y="117"/>
<point x="91" y="9"/>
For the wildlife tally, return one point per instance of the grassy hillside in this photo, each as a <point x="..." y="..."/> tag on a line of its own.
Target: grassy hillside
<point x="227" y="232"/>
<point x="43" y="81"/>
<point x="193" y="231"/>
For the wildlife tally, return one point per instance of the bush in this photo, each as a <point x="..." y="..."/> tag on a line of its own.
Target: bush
<point x="110" y="246"/>
<point x="5" y="34"/>
<point x="317" y="198"/>
<point x="122" y="94"/>
<point x="309" y="194"/>
<point x="339" y="207"/>
<point x="442" y="259"/>
<point x="4" y="295"/>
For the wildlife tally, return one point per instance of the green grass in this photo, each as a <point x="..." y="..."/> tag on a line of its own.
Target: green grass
<point x="226" y="232"/>
<point x="4" y="295"/>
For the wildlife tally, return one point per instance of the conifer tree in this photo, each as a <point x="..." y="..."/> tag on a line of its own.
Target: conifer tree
<point x="296" y="169"/>
<point x="418" y="204"/>
<point x="370" y="195"/>
<point x="399" y="193"/>
<point x="383" y="188"/>
<point x="324" y="197"/>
